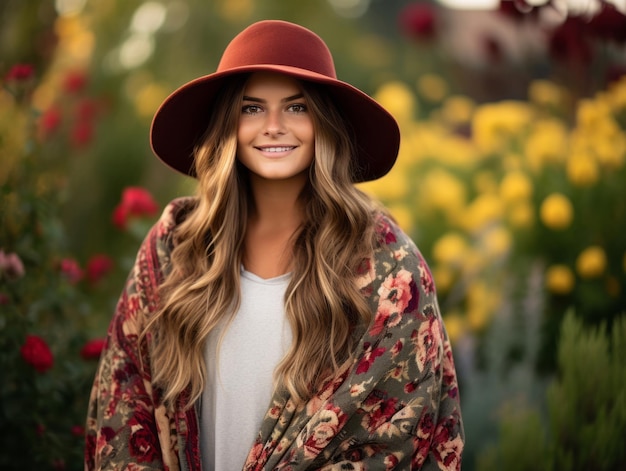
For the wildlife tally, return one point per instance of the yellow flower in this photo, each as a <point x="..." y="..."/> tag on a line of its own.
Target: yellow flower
<point x="485" y="182"/>
<point x="450" y="249"/>
<point x="559" y="279"/>
<point x="546" y="93"/>
<point x="457" y="109"/>
<point x="515" y="186"/>
<point x="442" y="190"/>
<point x="444" y="277"/>
<point x="591" y="262"/>
<point x="432" y="87"/>
<point x="521" y="215"/>
<point x="403" y="216"/>
<point x="495" y="125"/>
<point x="582" y="170"/>
<point x="546" y="144"/>
<point x="497" y="242"/>
<point x="454" y="324"/>
<point x="392" y="186"/>
<point x="484" y="210"/>
<point x="556" y="211"/>
<point x="398" y="99"/>
<point x="148" y="98"/>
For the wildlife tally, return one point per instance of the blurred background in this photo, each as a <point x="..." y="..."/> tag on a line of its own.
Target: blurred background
<point x="511" y="179"/>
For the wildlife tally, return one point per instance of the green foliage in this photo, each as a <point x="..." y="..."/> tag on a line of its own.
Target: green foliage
<point x="586" y="406"/>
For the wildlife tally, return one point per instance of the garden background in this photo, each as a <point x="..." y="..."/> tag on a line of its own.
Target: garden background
<point x="511" y="178"/>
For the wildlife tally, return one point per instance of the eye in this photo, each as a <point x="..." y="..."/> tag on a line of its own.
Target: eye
<point x="251" y="109"/>
<point x="298" y="108"/>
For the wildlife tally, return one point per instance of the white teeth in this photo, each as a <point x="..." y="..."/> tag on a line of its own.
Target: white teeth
<point x="276" y="149"/>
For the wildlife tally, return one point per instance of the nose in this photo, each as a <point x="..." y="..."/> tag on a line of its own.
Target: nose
<point x="274" y="123"/>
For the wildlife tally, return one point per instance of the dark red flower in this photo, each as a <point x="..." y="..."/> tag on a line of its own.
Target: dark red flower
<point x="418" y="20"/>
<point x="72" y="271"/>
<point x="78" y="430"/>
<point x="82" y="134"/>
<point x="20" y="73"/>
<point x="92" y="349"/>
<point x="75" y="81"/>
<point x="609" y="24"/>
<point x="35" y="352"/>
<point x="568" y="42"/>
<point x="98" y="266"/>
<point x="50" y="120"/>
<point x="136" y="202"/>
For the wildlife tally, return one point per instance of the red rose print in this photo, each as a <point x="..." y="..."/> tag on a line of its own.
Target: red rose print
<point x="143" y="437"/>
<point x="35" y="352"/>
<point x="426" y="341"/>
<point x="368" y="358"/>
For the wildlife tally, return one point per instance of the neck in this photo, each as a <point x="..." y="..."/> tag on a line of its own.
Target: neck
<point x="276" y="202"/>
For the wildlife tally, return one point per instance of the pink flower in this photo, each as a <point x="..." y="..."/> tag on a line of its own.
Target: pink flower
<point x="20" y="73"/>
<point x="75" y="81"/>
<point x="11" y="265"/>
<point x="427" y="341"/>
<point x="418" y="20"/>
<point x="70" y="268"/>
<point x="136" y="202"/>
<point x="92" y="349"/>
<point x="98" y="266"/>
<point x="35" y="352"/>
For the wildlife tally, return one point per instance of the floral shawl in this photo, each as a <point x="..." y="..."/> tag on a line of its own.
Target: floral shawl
<point x="396" y="406"/>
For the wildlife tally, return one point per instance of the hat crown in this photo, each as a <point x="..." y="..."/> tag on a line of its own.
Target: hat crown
<point x="275" y="42"/>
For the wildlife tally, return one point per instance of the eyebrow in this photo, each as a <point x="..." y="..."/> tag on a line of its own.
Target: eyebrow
<point x="284" y="100"/>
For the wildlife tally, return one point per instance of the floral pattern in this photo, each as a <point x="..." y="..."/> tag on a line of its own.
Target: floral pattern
<point x="395" y="406"/>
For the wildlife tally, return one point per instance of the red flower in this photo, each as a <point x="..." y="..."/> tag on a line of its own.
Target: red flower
<point x="92" y="349"/>
<point x="20" y="73"/>
<point x="98" y="266"/>
<point x="609" y="24"/>
<point x="78" y="430"/>
<point x="71" y="269"/>
<point x="86" y="109"/>
<point x="75" y="81"/>
<point x="418" y="20"/>
<point x="82" y="134"/>
<point x="136" y="202"/>
<point x="36" y="352"/>
<point x="569" y="44"/>
<point x="50" y="120"/>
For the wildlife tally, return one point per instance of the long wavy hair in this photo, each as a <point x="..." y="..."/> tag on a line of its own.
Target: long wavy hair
<point x="323" y="303"/>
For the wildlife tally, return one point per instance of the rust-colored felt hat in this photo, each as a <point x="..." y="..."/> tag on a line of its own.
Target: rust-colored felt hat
<point x="279" y="46"/>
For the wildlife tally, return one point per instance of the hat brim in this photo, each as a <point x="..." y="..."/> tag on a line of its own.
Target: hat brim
<point x="182" y="119"/>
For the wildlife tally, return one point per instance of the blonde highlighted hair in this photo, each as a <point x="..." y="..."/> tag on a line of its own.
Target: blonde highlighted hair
<point x="322" y="303"/>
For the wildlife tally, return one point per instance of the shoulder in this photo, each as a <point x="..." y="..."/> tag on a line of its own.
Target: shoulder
<point x="397" y="253"/>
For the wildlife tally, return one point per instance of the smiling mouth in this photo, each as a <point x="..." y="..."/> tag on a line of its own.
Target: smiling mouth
<point x="277" y="149"/>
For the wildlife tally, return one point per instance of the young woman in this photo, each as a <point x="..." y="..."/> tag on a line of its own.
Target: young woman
<point x="279" y="319"/>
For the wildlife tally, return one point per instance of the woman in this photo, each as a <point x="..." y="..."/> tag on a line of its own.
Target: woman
<point x="279" y="319"/>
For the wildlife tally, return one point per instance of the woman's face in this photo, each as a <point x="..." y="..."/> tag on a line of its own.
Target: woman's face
<point x="275" y="136"/>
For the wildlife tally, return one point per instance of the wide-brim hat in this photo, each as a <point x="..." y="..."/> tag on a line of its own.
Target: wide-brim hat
<point x="279" y="46"/>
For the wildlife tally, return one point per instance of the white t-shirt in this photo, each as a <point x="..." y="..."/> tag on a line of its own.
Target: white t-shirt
<point x="239" y="384"/>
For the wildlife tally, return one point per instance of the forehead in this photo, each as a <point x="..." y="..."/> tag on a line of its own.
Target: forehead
<point x="271" y="83"/>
